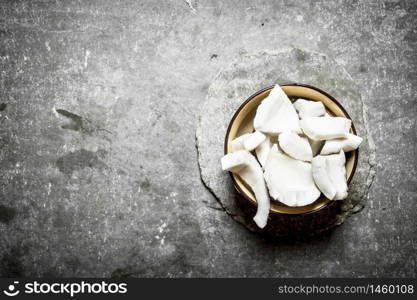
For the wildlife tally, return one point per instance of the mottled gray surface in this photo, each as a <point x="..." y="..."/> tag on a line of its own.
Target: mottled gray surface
<point x="250" y="73"/>
<point x="99" y="104"/>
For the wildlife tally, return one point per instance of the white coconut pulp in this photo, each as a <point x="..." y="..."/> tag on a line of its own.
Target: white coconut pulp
<point x="253" y="140"/>
<point x="276" y="114"/>
<point x="350" y="143"/>
<point x="325" y="128"/>
<point x="293" y="173"/>
<point x="245" y="165"/>
<point x="295" y="146"/>
<point x="329" y="174"/>
<point x="289" y="180"/>
<point x="307" y="108"/>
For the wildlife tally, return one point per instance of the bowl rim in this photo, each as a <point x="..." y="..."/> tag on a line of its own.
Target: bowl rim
<point x="250" y="98"/>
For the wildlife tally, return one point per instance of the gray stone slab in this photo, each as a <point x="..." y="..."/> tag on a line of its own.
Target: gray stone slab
<point x="250" y="73"/>
<point x="122" y="195"/>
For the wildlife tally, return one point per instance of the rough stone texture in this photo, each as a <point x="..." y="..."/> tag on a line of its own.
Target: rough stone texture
<point x="250" y="73"/>
<point x="99" y="104"/>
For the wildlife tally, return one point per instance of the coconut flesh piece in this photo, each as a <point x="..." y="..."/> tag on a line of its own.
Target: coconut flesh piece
<point x="350" y="143"/>
<point x="245" y="165"/>
<point x="306" y="108"/>
<point x="329" y="174"/>
<point x="337" y="173"/>
<point x="234" y="163"/>
<point x="295" y="146"/>
<point x="262" y="151"/>
<point x="237" y="143"/>
<point x="325" y="128"/>
<point x="247" y="141"/>
<point x="276" y="114"/>
<point x="321" y="176"/>
<point x="289" y="180"/>
<point x="315" y="145"/>
<point x="253" y="140"/>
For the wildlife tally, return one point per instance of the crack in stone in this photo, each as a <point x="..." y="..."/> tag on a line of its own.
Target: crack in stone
<point x="222" y="207"/>
<point x="190" y="6"/>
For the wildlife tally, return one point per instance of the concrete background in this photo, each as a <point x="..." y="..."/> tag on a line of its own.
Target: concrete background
<point x="99" y="102"/>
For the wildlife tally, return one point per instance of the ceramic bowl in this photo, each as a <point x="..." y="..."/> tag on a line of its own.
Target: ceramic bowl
<point x="242" y="122"/>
